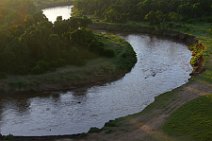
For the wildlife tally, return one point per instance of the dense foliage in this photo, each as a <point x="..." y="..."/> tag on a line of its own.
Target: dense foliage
<point x="29" y="43"/>
<point x="155" y="11"/>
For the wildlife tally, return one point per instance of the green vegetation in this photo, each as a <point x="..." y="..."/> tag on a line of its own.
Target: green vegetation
<point x="30" y="44"/>
<point x="202" y="32"/>
<point x="193" y="121"/>
<point x="34" y="45"/>
<point x="160" y="17"/>
<point x="95" y="71"/>
<point x="154" y="11"/>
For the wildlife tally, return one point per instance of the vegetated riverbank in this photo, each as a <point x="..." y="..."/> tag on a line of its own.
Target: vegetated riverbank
<point x="147" y="124"/>
<point x="94" y="72"/>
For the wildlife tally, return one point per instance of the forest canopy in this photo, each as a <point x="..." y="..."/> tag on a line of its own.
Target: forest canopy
<point x="145" y="10"/>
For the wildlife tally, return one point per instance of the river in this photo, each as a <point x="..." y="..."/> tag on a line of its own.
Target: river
<point x="162" y="66"/>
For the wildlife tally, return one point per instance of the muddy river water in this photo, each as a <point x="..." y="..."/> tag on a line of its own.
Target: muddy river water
<point x="162" y="66"/>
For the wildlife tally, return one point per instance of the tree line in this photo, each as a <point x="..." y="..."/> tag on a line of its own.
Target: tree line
<point x="154" y="11"/>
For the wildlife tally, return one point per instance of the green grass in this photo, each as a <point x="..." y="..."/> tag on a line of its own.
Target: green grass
<point x="193" y="121"/>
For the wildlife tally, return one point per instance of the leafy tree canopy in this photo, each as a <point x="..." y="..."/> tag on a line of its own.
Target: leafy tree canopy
<point x="141" y="10"/>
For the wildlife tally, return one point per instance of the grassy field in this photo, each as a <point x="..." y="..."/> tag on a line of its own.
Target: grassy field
<point x="193" y="121"/>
